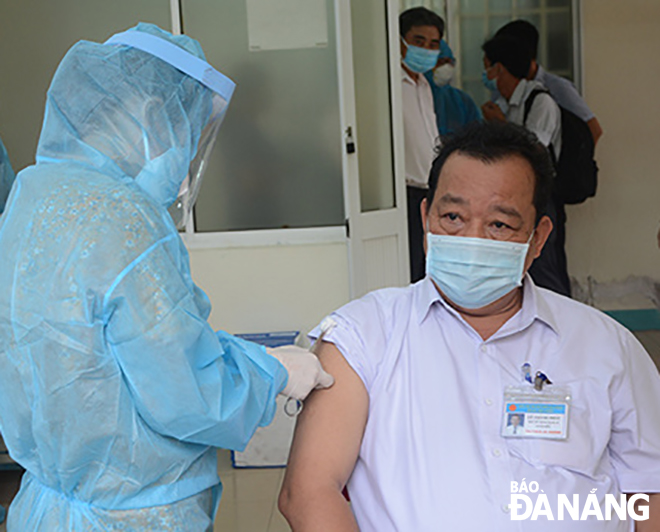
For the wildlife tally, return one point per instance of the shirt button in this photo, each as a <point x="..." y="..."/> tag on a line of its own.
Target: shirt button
<point x="506" y="508"/>
<point x="488" y="401"/>
<point x="484" y="349"/>
<point x="497" y="452"/>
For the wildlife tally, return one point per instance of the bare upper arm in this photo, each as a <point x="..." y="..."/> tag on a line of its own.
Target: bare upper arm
<point x="329" y="431"/>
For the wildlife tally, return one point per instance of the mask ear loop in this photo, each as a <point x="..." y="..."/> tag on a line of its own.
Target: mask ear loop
<point x="531" y="236"/>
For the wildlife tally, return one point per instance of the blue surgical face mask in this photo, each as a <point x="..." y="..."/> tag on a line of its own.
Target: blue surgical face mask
<point x="418" y="59"/>
<point x="490" y="84"/>
<point x="474" y="272"/>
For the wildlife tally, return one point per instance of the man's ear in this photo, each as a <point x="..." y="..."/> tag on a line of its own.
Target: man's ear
<point x="541" y="234"/>
<point x="424" y="211"/>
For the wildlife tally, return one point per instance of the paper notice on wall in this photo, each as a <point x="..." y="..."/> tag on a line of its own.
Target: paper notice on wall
<point x="286" y="24"/>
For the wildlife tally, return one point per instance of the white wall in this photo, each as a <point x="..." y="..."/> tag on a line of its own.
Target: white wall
<point x="613" y="235"/>
<point x="274" y="288"/>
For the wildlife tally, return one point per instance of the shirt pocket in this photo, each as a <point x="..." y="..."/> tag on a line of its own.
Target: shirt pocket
<point x="581" y="451"/>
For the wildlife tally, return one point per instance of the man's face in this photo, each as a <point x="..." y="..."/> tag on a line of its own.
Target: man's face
<point x="492" y="70"/>
<point x="515" y="420"/>
<point x="487" y="200"/>
<point x="422" y="36"/>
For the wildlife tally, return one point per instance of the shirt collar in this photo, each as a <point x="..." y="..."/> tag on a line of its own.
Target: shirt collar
<point x="406" y="77"/>
<point x="518" y="93"/>
<point x="534" y="306"/>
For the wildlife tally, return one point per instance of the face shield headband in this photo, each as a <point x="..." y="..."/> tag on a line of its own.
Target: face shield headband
<point x="200" y="70"/>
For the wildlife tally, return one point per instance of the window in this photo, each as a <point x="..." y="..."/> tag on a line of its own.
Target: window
<point x="277" y="160"/>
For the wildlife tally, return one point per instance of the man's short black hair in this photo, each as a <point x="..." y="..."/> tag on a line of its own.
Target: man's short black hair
<point x="510" y="52"/>
<point x="420" y="16"/>
<point x="491" y="142"/>
<point x="525" y="32"/>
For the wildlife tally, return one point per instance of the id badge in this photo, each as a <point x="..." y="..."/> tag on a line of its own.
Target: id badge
<point x="529" y="413"/>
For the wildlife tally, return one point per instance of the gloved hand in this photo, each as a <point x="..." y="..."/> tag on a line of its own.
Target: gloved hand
<point x="304" y="369"/>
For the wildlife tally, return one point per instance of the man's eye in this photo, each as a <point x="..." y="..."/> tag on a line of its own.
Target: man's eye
<point x="452" y="216"/>
<point x="501" y="225"/>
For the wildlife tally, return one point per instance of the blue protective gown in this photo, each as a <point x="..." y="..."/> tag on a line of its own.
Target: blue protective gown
<point x="114" y="390"/>
<point x="6" y="176"/>
<point x="454" y="108"/>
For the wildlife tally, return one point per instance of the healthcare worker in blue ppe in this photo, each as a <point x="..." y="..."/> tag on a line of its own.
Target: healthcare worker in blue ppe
<point x="6" y="176"/>
<point x="453" y="107"/>
<point x="114" y="390"/>
<point x="6" y="181"/>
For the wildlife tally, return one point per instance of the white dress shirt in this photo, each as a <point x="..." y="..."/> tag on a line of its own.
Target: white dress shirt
<point x="433" y="456"/>
<point x="544" y="118"/>
<point x="419" y="128"/>
<point x="561" y="89"/>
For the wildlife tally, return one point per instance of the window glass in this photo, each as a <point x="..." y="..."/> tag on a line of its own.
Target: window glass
<point x="372" y="102"/>
<point x="277" y="159"/>
<point x="559" y="56"/>
<point x="500" y="5"/>
<point x="472" y="7"/>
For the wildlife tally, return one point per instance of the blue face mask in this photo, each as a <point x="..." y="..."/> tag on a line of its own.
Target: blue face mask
<point x="490" y="84"/>
<point x="474" y="272"/>
<point x="418" y="59"/>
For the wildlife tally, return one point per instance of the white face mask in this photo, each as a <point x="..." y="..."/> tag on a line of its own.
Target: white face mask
<point x="443" y="74"/>
<point x="475" y="272"/>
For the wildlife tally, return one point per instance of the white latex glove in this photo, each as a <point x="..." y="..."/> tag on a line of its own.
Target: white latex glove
<point x="304" y="369"/>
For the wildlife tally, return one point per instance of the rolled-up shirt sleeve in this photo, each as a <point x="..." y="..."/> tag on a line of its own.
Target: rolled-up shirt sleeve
<point x="359" y="338"/>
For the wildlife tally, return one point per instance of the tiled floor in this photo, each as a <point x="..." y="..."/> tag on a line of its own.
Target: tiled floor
<point x="249" y="500"/>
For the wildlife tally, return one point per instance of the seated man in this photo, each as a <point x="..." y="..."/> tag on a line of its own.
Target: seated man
<point x="416" y="421"/>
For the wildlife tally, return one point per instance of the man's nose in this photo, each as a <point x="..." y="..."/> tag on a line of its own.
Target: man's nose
<point x="476" y="231"/>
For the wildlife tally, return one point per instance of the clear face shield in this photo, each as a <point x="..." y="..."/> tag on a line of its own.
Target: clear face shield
<point x="222" y="88"/>
<point x="182" y="207"/>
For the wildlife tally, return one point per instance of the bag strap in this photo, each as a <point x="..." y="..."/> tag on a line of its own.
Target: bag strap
<point x="530" y="100"/>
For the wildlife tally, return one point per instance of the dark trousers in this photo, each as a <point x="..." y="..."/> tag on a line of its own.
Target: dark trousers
<point x="416" y="233"/>
<point x="550" y="270"/>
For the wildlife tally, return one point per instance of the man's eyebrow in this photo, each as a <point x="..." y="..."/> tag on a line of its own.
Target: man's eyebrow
<point x="509" y="211"/>
<point x="453" y="200"/>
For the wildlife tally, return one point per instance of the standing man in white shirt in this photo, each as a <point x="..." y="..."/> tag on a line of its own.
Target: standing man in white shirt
<point x="506" y="63"/>
<point x="421" y="31"/>
<point x="411" y="363"/>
